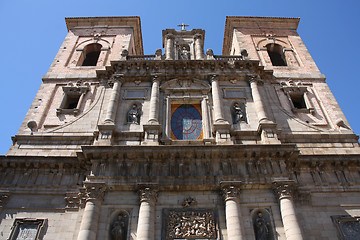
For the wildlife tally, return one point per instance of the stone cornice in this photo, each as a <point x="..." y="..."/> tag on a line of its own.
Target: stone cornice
<point x="133" y="22"/>
<point x="225" y="69"/>
<point x="255" y="22"/>
<point x="324" y="162"/>
<point x="283" y="151"/>
<point x="39" y="162"/>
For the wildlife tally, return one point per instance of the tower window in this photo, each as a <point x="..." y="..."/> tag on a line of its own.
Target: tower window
<point x="73" y="97"/>
<point x="71" y="101"/>
<point x="298" y="100"/>
<point x="91" y="54"/>
<point x="276" y="54"/>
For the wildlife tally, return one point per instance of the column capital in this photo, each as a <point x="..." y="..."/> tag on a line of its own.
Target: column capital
<point x="169" y="36"/>
<point x="117" y="77"/>
<point x="155" y="78"/>
<point x="148" y="193"/>
<point x="283" y="189"/>
<point x="197" y="36"/>
<point x="214" y="77"/>
<point x="254" y="78"/>
<point x="95" y="191"/>
<point x="230" y="191"/>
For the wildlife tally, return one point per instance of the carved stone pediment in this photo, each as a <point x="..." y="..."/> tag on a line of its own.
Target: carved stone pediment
<point x="186" y="84"/>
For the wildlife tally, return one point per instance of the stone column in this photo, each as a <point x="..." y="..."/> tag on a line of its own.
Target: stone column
<point x="154" y="101"/>
<point x="283" y="191"/>
<point x="231" y="194"/>
<point x="168" y="117"/>
<point x="114" y="100"/>
<point x="215" y="91"/>
<point x="205" y="118"/>
<point x="259" y="106"/>
<point x="90" y="219"/>
<point x="169" y="49"/>
<point x="146" y="222"/>
<point x="198" y="47"/>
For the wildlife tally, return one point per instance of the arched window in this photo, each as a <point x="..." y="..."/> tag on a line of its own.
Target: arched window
<point x="276" y="54"/>
<point x="91" y="54"/>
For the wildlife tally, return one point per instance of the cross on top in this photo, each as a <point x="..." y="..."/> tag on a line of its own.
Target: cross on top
<point x="183" y="26"/>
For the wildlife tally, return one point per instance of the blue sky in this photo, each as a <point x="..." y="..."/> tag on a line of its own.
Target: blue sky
<point x="32" y="32"/>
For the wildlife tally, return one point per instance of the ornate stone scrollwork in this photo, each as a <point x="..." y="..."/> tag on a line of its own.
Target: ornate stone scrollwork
<point x="283" y="189"/>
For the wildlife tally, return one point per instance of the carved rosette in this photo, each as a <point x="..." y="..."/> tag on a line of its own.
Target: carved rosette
<point x="231" y="193"/>
<point x="148" y="194"/>
<point x="95" y="191"/>
<point x="283" y="189"/>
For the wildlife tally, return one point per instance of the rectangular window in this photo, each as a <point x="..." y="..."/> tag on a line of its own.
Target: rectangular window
<point x="348" y="227"/>
<point x="27" y="229"/>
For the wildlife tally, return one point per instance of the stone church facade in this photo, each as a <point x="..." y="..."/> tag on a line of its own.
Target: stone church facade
<point x="182" y="144"/>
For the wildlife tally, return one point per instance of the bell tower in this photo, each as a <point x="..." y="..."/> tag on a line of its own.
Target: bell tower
<point x="183" y="44"/>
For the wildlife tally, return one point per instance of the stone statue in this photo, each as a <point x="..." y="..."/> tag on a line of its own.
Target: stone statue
<point x="238" y="113"/>
<point x="118" y="229"/>
<point x="133" y="115"/>
<point x="184" y="54"/>
<point x="262" y="231"/>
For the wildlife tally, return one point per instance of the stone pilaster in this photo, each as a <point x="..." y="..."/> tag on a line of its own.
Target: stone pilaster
<point x="283" y="191"/>
<point x="234" y="226"/>
<point x="199" y="55"/>
<point x="146" y="222"/>
<point x="94" y="196"/>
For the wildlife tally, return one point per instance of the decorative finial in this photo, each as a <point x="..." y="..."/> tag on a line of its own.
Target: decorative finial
<point x="183" y="26"/>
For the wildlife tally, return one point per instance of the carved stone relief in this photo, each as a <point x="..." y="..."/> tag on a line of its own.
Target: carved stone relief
<point x="190" y="224"/>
